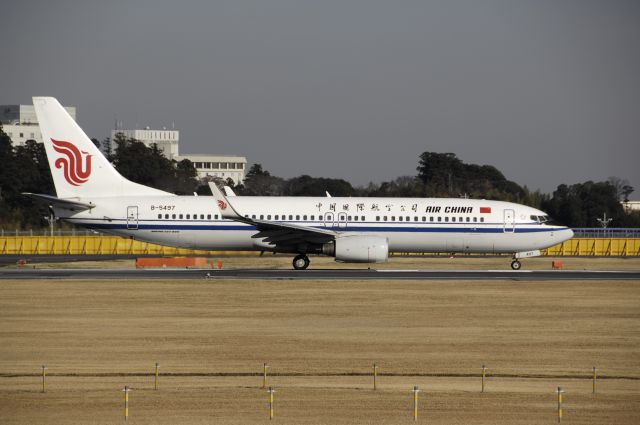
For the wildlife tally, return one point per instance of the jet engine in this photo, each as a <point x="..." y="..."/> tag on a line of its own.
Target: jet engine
<point x="358" y="249"/>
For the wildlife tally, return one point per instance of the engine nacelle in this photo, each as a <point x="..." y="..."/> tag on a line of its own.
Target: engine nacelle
<point x="358" y="249"/>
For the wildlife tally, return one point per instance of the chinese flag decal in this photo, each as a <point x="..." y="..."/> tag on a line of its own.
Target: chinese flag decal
<point x="485" y="210"/>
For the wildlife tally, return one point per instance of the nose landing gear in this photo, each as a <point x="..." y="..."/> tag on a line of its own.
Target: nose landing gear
<point x="301" y="262"/>
<point x="515" y="264"/>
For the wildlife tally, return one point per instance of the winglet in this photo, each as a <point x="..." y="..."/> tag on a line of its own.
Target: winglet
<point x="228" y="191"/>
<point x="226" y="209"/>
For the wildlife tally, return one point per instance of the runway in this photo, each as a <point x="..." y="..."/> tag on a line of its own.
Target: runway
<point x="318" y="274"/>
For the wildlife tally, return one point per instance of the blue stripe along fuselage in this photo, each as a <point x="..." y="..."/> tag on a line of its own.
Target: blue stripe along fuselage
<point x="426" y="228"/>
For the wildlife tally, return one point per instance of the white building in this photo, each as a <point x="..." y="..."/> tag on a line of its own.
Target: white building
<point x="207" y="166"/>
<point x="224" y="167"/>
<point x="21" y="124"/>
<point x="167" y="140"/>
<point x="631" y="206"/>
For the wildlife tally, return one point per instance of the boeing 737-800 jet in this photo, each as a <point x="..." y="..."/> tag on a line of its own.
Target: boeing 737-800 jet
<point x="92" y="194"/>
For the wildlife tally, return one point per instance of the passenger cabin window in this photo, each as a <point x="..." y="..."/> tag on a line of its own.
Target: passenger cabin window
<point x="261" y="216"/>
<point x="201" y="216"/>
<point x="166" y="216"/>
<point x="446" y="219"/>
<point x="377" y="218"/>
<point x="385" y="218"/>
<point x="253" y="216"/>
<point x="393" y="218"/>
<point x="269" y="217"/>
<point x="453" y="219"/>
<point x="313" y="217"/>
<point x="159" y="215"/>
<point x="180" y="216"/>
<point x="481" y="219"/>
<point x="439" y="219"/>
<point x="304" y="217"/>
<point x="297" y="217"/>
<point x="173" y="216"/>
<point x="475" y="219"/>
<point x="290" y="217"/>
<point x="208" y="216"/>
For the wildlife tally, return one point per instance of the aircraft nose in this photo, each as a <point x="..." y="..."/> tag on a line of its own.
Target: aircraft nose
<point x="568" y="234"/>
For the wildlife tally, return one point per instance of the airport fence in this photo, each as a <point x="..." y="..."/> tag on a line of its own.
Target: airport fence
<point x="606" y="232"/>
<point x="589" y="242"/>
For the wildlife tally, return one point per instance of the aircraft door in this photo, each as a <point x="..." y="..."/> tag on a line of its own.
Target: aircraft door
<point x="132" y="218"/>
<point x="328" y="219"/>
<point x="509" y="221"/>
<point x="342" y="220"/>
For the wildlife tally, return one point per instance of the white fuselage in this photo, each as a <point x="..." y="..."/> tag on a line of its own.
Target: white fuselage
<point x="409" y="224"/>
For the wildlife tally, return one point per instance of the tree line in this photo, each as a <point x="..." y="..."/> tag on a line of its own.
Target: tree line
<point x="25" y="169"/>
<point x="445" y="175"/>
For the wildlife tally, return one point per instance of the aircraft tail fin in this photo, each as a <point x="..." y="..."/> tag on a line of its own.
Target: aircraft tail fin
<point x="78" y="167"/>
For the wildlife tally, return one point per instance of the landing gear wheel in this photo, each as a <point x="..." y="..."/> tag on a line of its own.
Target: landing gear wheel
<point x="515" y="265"/>
<point x="300" y="262"/>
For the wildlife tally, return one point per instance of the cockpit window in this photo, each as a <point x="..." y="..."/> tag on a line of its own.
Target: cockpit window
<point x="545" y="219"/>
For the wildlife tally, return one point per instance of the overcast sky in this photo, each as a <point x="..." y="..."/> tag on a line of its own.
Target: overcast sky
<point x="547" y="91"/>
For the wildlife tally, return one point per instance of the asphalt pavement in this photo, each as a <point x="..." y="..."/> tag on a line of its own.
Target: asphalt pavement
<point x="313" y="274"/>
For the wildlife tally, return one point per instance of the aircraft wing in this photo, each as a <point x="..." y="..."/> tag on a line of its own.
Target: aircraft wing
<point x="273" y="232"/>
<point x="65" y="203"/>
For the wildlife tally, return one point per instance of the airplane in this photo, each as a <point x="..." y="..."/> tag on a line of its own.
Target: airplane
<point x="92" y="194"/>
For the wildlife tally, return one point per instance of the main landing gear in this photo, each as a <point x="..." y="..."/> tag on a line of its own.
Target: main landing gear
<point x="300" y="262"/>
<point x="515" y="265"/>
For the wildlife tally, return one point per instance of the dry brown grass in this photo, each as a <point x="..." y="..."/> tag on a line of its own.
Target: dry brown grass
<point x="315" y="327"/>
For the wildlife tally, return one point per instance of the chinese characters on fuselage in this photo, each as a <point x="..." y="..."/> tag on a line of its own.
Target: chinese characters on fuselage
<point x="374" y="207"/>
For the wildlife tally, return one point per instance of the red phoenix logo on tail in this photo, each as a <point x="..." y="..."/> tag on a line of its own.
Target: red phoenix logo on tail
<point x="222" y="205"/>
<point x="76" y="168"/>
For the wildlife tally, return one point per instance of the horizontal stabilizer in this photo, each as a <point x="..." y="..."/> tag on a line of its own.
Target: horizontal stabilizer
<point x="68" y="204"/>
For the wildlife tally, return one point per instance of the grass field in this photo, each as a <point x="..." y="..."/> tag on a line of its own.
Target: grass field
<point x="533" y="337"/>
